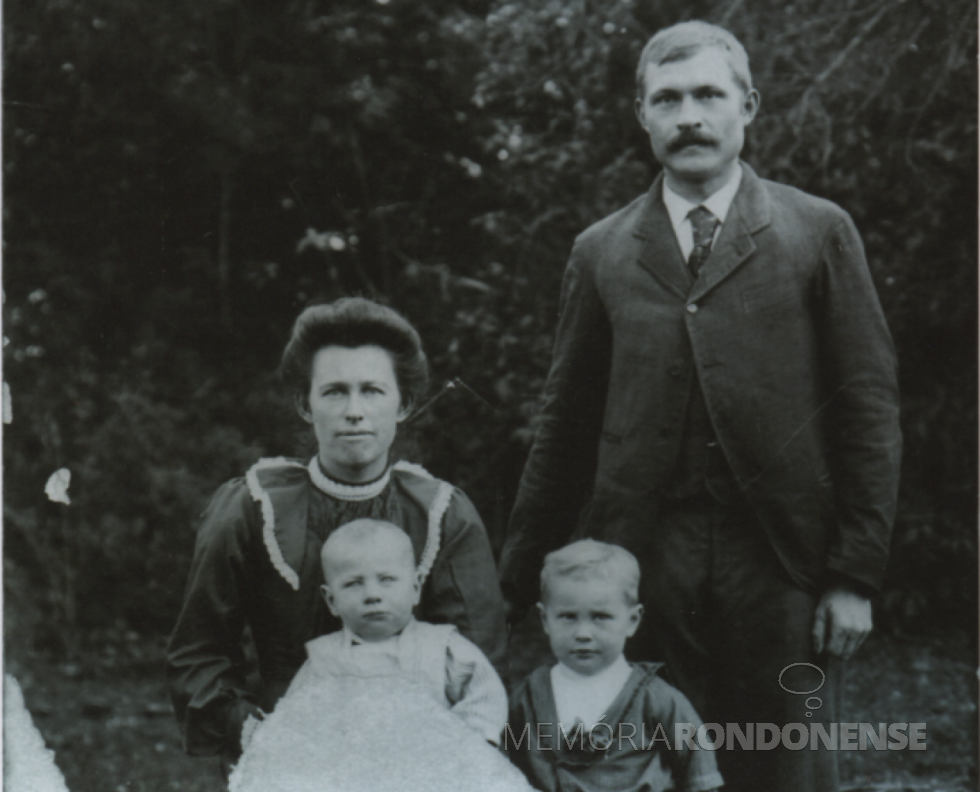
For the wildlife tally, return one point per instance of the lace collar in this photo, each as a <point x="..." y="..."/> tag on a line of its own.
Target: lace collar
<point x="347" y="492"/>
<point x="272" y="533"/>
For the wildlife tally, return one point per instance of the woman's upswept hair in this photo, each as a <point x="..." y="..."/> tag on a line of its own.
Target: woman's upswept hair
<point x="354" y="322"/>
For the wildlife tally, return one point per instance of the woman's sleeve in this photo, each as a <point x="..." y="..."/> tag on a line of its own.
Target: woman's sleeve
<point x="462" y="588"/>
<point x="518" y="740"/>
<point x="205" y="658"/>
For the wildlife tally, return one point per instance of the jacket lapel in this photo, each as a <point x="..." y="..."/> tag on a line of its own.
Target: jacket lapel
<point x="661" y="255"/>
<point x="750" y="213"/>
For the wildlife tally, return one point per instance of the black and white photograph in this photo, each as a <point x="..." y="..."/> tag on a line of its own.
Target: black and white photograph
<point x="485" y="396"/>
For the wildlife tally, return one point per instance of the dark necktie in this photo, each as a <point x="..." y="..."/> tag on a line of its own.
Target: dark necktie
<point x="703" y="224"/>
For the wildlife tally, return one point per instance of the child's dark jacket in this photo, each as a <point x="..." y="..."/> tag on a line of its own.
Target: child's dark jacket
<point x="632" y="754"/>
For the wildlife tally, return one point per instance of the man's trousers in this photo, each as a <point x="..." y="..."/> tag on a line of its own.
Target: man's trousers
<point x="735" y="634"/>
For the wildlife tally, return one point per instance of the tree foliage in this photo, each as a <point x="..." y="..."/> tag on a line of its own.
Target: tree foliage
<point x="181" y="180"/>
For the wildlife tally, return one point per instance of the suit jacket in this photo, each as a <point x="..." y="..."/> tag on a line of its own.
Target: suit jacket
<point x="784" y="332"/>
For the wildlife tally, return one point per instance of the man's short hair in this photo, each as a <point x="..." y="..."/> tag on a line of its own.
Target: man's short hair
<point x="363" y="530"/>
<point x="588" y="559"/>
<point x="687" y="39"/>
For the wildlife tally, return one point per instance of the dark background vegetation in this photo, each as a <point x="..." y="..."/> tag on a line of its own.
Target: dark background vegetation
<point x="181" y="178"/>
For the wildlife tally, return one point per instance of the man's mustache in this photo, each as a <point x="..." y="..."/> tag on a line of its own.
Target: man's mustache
<point x="686" y="139"/>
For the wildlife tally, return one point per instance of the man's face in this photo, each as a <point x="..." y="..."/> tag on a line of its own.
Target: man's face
<point x="355" y="406"/>
<point x="372" y="586"/>
<point x="587" y="622"/>
<point x="696" y="113"/>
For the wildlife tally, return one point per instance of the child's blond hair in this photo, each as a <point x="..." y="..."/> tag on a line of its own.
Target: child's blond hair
<point x="589" y="559"/>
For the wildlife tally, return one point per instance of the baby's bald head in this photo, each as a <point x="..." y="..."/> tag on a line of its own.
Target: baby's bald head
<point x="366" y="537"/>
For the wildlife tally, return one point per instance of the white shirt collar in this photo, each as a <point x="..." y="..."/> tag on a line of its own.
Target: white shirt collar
<point x="718" y="203"/>
<point x="586" y="698"/>
<point x="678" y="208"/>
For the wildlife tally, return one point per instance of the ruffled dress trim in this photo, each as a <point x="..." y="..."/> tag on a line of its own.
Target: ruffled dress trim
<point x="440" y="504"/>
<point x="346" y="492"/>
<point x="269" y="517"/>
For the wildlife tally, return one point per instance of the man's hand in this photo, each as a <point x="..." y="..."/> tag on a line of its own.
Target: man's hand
<point x="841" y="623"/>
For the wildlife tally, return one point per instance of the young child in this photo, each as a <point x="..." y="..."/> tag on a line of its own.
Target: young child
<point x="387" y="702"/>
<point x="594" y="720"/>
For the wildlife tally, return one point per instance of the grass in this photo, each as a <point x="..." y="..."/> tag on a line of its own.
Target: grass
<point x="108" y="718"/>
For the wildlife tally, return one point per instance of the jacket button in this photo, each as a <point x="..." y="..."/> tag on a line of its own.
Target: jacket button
<point x="675" y="371"/>
<point x="692" y="308"/>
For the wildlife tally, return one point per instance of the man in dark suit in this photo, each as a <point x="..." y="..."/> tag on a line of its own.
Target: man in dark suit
<point x="723" y="385"/>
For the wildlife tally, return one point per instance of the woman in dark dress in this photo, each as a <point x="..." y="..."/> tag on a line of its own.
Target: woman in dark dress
<point x="357" y="370"/>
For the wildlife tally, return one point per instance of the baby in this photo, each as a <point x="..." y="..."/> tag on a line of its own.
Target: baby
<point x="595" y="721"/>
<point x="380" y="703"/>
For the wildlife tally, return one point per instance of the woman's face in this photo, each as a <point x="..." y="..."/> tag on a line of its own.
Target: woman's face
<point x="355" y="408"/>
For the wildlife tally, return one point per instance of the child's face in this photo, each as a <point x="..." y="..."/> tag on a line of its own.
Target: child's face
<point x="373" y="587"/>
<point x="588" y="622"/>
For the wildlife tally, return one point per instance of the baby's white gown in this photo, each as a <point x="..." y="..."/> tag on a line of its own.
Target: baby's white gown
<point x="352" y="731"/>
